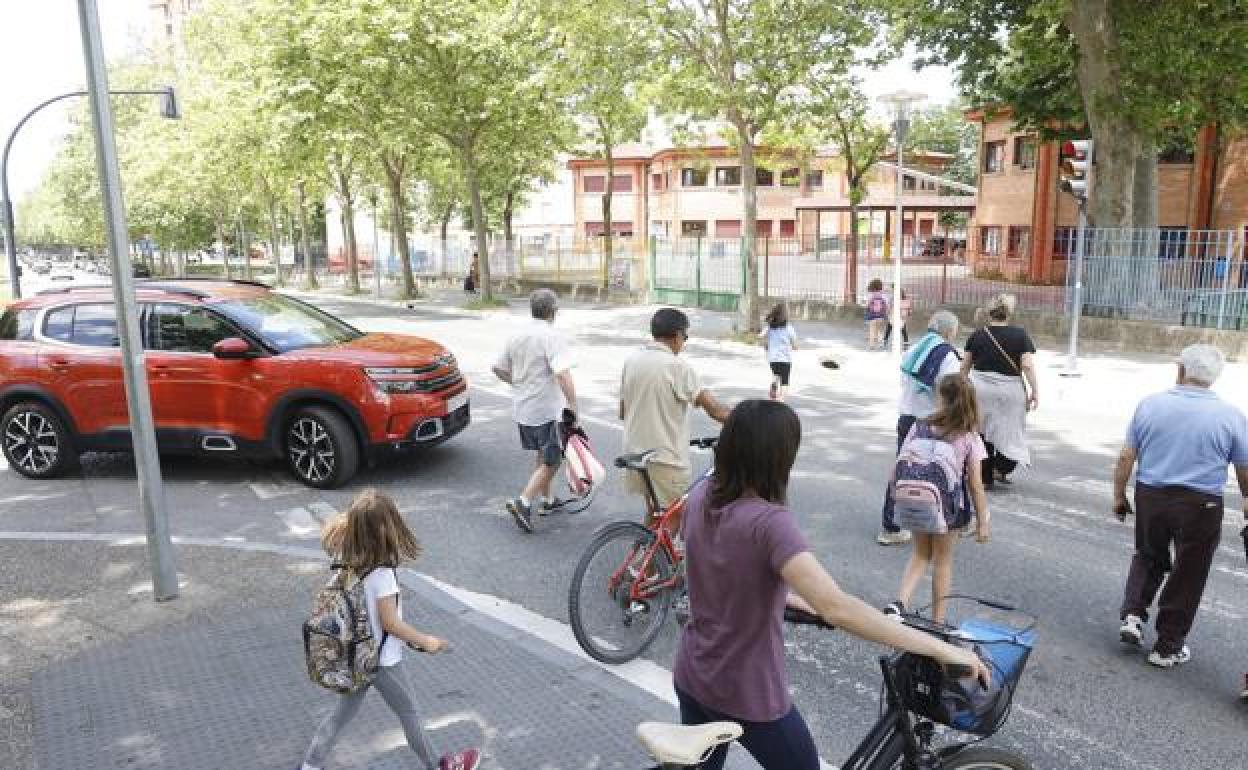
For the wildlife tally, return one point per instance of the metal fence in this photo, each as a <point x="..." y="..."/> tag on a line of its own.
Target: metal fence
<point x="1168" y="275"/>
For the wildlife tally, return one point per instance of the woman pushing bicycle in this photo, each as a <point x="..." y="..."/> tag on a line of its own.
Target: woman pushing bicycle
<point x="745" y="558"/>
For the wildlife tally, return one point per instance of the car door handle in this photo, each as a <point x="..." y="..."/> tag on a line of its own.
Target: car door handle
<point x="59" y="364"/>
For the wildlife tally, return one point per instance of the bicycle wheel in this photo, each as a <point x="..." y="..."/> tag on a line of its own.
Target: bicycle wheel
<point x="610" y="624"/>
<point x="985" y="759"/>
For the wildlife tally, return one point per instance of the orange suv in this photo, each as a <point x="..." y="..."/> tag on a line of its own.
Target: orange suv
<point x="235" y="370"/>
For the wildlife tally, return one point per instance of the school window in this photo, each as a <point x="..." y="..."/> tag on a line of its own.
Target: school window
<point x="595" y="184"/>
<point x="595" y="229"/>
<point x="762" y="228"/>
<point x="693" y="177"/>
<point x="727" y="228"/>
<point x="1025" y="152"/>
<point x="727" y="176"/>
<point x="764" y="177"/>
<point x="791" y="177"/>
<point x="994" y="157"/>
<point x="990" y="241"/>
<point x="814" y="178"/>
<point x="622" y="183"/>
<point x="788" y="227"/>
<point x="1064" y="242"/>
<point x="656" y="182"/>
<point x="1173" y="242"/>
<point x="693" y="228"/>
<point x="1019" y="243"/>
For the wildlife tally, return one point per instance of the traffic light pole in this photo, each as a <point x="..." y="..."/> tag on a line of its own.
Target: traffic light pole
<point x="1076" y="304"/>
<point x="138" y="398"/>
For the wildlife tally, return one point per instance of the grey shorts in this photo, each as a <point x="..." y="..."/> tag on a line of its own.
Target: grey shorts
<point x="544" y="439"/>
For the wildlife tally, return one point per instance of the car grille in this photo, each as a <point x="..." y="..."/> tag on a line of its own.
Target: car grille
<point x="437" y="384"/>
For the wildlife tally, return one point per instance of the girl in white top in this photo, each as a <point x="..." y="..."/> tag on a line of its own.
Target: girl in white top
<point x="371" y="539"/>
<point x="779" y="340"/>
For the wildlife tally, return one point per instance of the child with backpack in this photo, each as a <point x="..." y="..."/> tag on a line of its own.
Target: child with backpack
<point x="779" y="340"/>
<point x="907" y="307"/>
<point x="936" y="473"/>
<point x="356" y="635"/>
<point x="876" y="314"/>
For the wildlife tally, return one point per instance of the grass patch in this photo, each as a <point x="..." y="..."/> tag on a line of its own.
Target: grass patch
<point x="481" y="303"/>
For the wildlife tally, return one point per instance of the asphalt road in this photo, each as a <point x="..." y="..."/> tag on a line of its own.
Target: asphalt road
<point x="1085" y="701"/>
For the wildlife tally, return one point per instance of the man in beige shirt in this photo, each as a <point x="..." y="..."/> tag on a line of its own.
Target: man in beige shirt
<point x="656" y="390"/>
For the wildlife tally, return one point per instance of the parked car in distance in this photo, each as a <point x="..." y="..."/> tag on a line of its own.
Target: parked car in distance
<point x="141" y="270"/>
<point x="235" y="370"/>
<point x="939" y="245"/>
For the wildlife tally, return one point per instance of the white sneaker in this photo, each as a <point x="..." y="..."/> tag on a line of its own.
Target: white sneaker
<point x="1132" y="630"/>
<point x="900" y="537"/>
<point x="1173" y="659"/>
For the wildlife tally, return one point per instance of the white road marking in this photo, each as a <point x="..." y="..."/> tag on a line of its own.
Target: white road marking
<point x="642" y="674"/>
<point x="323" y="511"/>
<point x="277" y="487"/>
<point x="299" y="523"/>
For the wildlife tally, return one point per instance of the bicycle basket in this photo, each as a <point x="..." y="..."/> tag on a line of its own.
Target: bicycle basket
<point x="964" y="704"/>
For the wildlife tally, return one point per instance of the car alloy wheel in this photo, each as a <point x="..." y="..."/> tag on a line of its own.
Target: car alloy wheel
<point x="311" y="450"/>
<point x="31" y="443"/>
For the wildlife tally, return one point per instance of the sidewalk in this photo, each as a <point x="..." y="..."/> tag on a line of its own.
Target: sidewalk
<point x="95" y="675"/>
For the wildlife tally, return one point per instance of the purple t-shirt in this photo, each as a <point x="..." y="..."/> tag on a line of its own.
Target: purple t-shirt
<point x="731" y="656"/>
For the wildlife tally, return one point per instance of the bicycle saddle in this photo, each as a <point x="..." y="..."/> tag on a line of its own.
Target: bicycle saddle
<point x="685" y="745"/>
<point x="636" y="461"/>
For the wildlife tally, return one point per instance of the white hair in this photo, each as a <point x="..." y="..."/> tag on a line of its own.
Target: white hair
<point x="1202" y="364"/>
<point x="943" y="323"/>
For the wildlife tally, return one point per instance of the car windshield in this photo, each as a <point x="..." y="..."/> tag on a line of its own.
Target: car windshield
<point x="286" y="324"/>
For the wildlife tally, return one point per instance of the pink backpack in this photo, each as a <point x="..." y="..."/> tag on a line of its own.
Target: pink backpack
<point x="583" y="469"/>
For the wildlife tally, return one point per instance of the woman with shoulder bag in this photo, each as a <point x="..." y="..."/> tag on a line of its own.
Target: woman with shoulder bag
<point x="999" y="362"/>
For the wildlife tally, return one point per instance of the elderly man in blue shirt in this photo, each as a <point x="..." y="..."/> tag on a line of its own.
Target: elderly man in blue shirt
<point x="1182" y="440"/>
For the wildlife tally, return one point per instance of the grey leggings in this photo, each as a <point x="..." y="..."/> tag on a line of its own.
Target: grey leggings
<point x="391" y="682"/>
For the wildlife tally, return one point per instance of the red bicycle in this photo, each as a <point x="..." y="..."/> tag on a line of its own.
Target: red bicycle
<point x="629" y="576"/>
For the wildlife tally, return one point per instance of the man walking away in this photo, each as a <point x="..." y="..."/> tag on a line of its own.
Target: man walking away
<point x="931" y="358"/>
<point x="1182" y="440"/>
<point x="537" y="363"/>
<point x="656" y="390"/>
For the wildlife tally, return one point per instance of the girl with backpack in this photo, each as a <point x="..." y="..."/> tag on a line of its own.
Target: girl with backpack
<point x="369" y="541"/>
<point x="936" y="469"/>
<point x="876" y="314"/>
<point x="779" y="340"/>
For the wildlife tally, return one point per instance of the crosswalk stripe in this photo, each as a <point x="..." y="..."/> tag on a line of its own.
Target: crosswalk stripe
<point x="299" y="522"/>
<point x="275" y="487"/>
<point x="323" y="511"/>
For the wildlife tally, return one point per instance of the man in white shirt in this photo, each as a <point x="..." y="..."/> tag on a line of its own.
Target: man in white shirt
<point x="931" y="358"/>
<point x="537" y="363"/>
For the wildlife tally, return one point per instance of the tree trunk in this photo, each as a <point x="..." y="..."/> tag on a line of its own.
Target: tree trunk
<point x="351" y="249"/>
<point x="225" y="250"/>
<point x="608" y="246"/>
<point x="469" y="161"/>
<point x="749" y="301"/>
<point x="275" y="242"/>
<point x="509" y="235"/>
<point x="1116" y="140"/>
<point x="851" y="256"/>
<point x="243" y="250"/>
<point x="398" y="220"/>
<point x="309" y="276"/>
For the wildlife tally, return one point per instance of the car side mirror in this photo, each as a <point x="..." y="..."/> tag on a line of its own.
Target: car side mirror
<point x="233" y="348"/>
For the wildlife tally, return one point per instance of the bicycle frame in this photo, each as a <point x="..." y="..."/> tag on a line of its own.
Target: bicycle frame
<point x="645" y="587"/>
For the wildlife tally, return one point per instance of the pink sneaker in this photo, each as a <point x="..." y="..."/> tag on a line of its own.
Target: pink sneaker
<point x="463" y="760"/>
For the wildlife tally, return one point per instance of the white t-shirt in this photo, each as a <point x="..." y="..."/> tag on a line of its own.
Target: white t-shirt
<point x="780" y="344"/>
<point x="379" y="584"/>
<point x="917" y="402"/>
<point x="533" y="357"/>
<point x="657" y="387"/>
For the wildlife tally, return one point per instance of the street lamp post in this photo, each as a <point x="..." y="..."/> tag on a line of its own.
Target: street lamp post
<point x="900" y="102"/>
<point x="168" y="109"/>
<point x="138" y="397"/>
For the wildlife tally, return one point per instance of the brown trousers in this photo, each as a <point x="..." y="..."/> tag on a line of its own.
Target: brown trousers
<point x="1191" y="521"/>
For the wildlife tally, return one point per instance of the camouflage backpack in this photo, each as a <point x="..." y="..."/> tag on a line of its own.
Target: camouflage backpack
<point x="338" y="642"/>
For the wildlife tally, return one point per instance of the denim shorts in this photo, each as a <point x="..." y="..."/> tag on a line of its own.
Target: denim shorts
<point x="544" y="439"/>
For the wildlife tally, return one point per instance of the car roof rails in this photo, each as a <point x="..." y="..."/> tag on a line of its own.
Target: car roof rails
<point x="139" y="286"/>
<point x="206" y="279"/>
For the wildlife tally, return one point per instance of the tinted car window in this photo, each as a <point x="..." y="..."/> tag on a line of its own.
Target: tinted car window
<point x="185" y="329"/>
<point x="17" y="324"/>
<point x="90" y="325"/>
<point x="285" y="324"/>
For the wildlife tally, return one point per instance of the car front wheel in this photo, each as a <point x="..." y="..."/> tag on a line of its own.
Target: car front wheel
<point x="321" y="448"/>
<point x="36" y="442"/>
